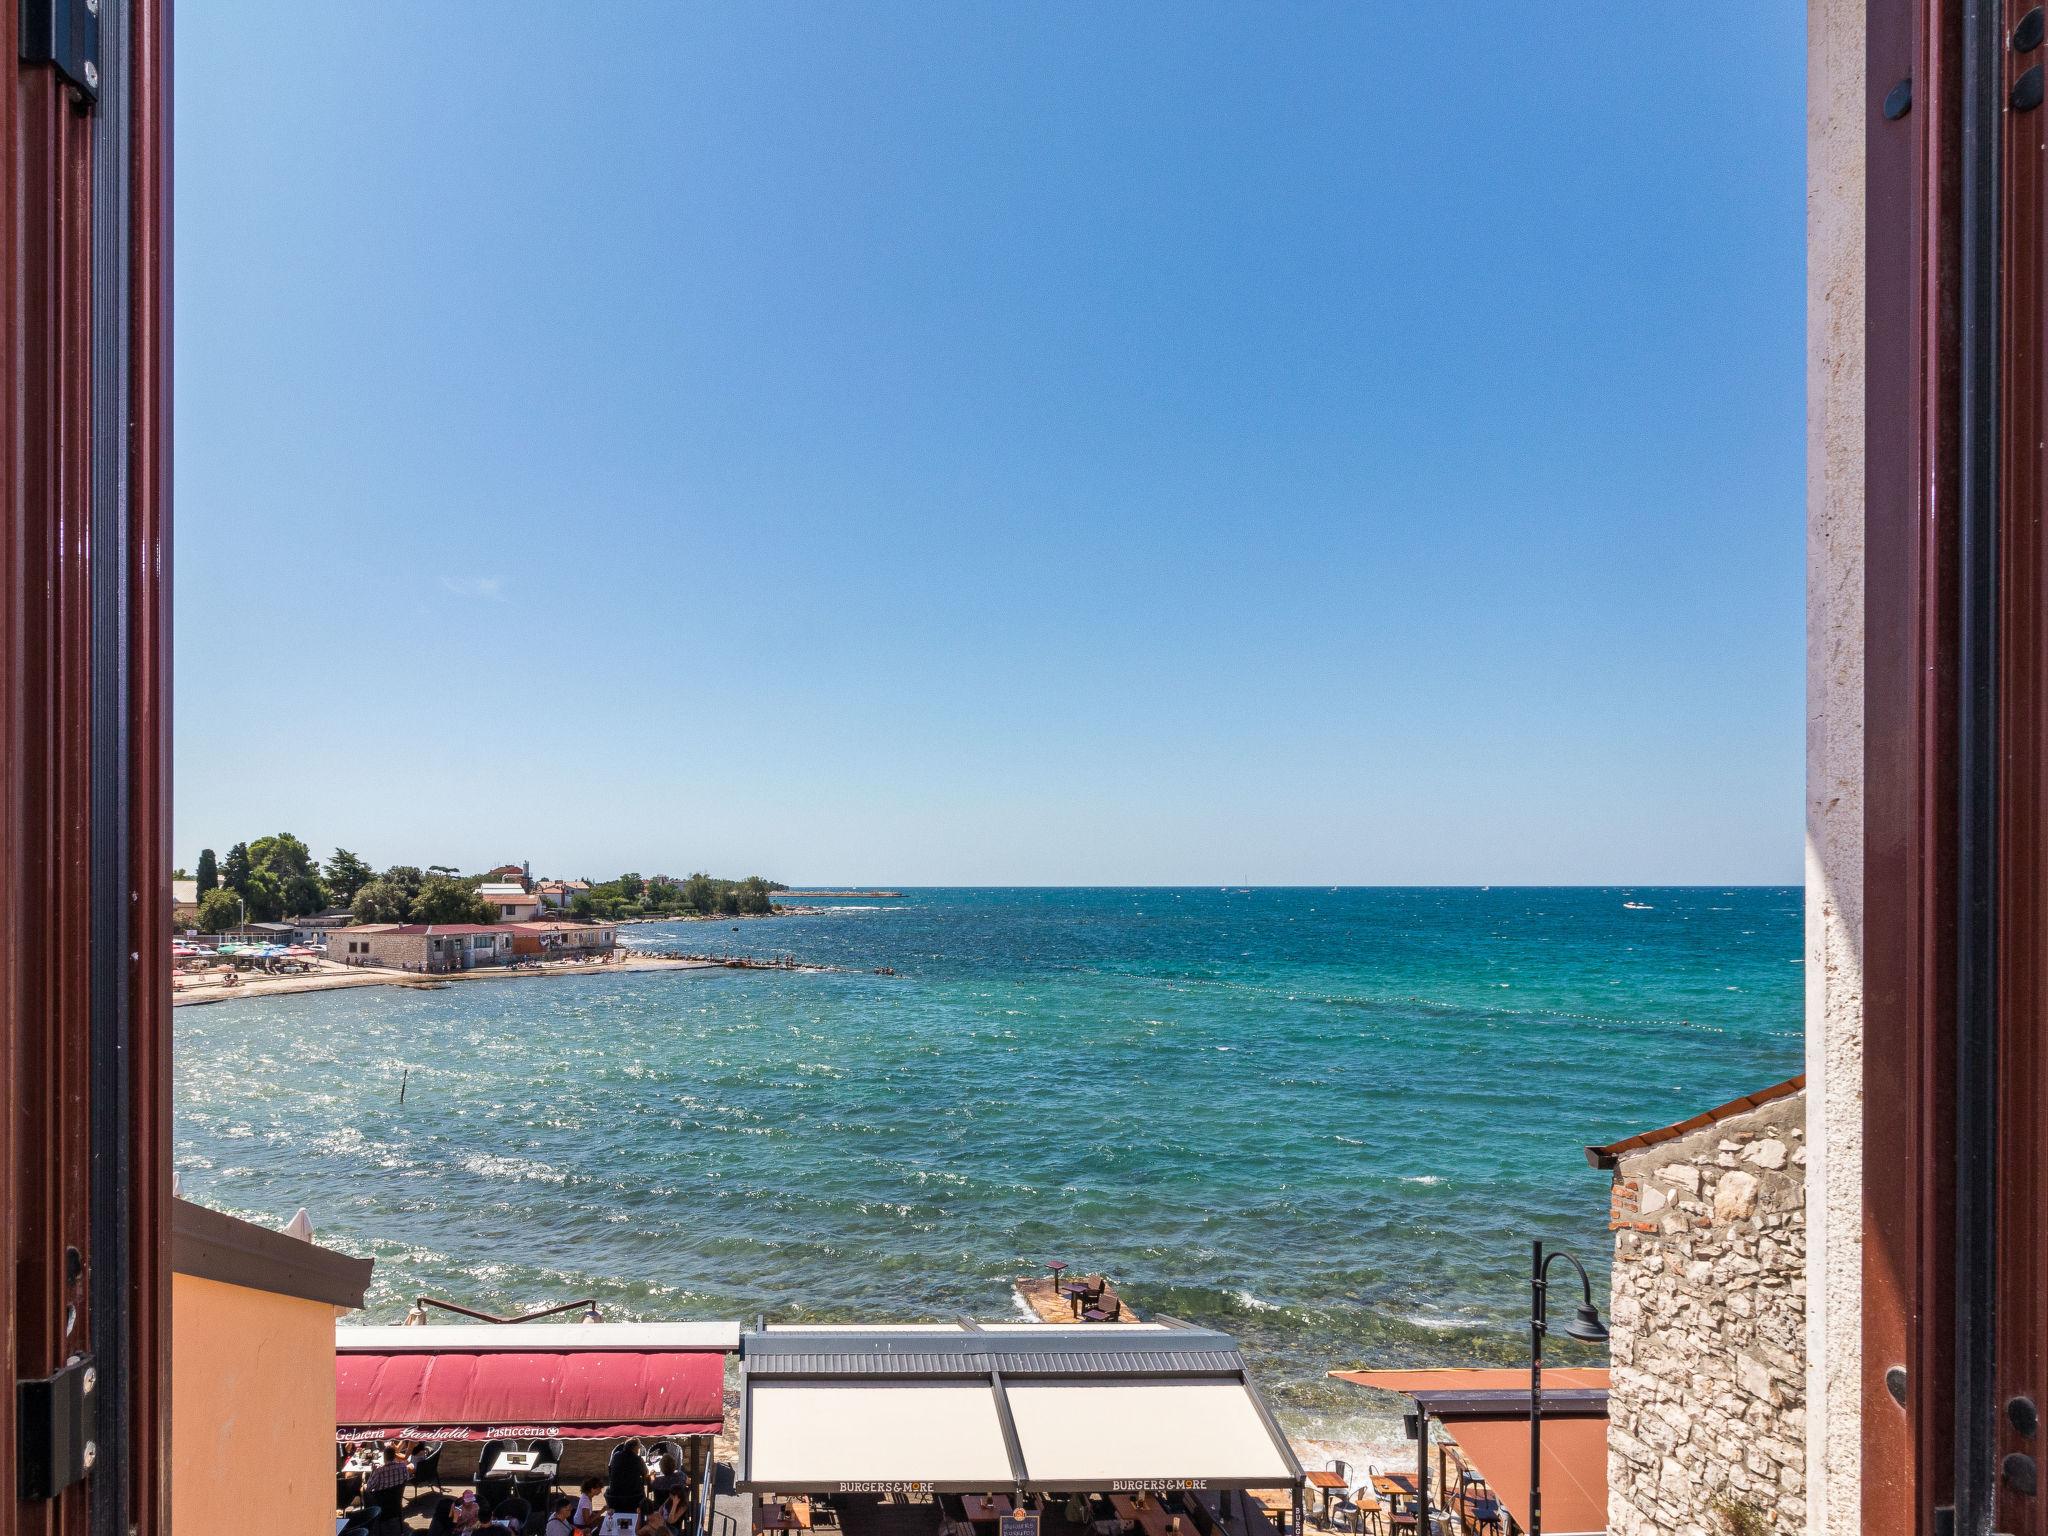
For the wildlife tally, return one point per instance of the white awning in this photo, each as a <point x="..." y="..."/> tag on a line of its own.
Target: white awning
<point x="834" y="1436"/>
<point x="974" y="1410"/>
<point x="1101" y="1434"/>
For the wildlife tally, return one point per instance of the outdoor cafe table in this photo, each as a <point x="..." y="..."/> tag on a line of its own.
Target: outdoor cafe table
<point x="513" y="1463"/>
<point x="982" y="1507"/>
<point x="1330" y="1483"/>
<point x="1398" y="1489"/>
<point x="783" y="1515"/>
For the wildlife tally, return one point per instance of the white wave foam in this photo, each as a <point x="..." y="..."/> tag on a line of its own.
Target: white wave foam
<point x="485" y="1166"/>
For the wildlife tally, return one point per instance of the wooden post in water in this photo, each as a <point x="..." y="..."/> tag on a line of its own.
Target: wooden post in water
<point x="401" y="1083"/>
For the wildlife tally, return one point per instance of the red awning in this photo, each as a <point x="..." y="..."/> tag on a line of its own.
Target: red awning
<point x="1574" y="1469"/>
<point x="489" y="1395"/>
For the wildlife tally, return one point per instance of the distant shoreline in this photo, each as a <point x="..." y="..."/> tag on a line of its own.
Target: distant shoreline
<point x="343" y="977"/>
<point x="821" y="895"/>
<point x="714" y="917"/>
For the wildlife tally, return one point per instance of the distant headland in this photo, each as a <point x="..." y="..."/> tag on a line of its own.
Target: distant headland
<point x="786" y="894"/>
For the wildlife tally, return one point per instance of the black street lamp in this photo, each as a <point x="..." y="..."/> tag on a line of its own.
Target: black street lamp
<point x="1585" y="1324"/>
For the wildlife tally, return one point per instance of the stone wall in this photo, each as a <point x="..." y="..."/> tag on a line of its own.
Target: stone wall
<point x="1707" y="1412"/>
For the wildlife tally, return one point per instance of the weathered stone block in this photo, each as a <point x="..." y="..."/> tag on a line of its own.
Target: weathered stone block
<point x="1735" y="1196"/>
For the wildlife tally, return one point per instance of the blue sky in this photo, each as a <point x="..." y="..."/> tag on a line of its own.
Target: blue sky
<point x="987" y="444"/>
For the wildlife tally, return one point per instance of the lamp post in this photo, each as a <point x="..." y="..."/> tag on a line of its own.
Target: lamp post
<point x="1585" y="1324"/>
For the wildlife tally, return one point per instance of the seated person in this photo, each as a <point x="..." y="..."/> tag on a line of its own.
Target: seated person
<point x="625" y="1478"/>
<point x="511" y="1513"/>
<point x="468" y="1514"/>
<point x="561" y="1516"/>
<point x="586" y="1516"/>
<point x="668" y="1518"/>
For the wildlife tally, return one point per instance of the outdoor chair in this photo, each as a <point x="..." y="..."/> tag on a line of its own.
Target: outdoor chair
<point x="1368" y="1513"/>
<point x="1104" y="1312"/>
<point x="537" y="1483"/>
<point x="426" y="1465"/>
<point x="491" y="1491"/>
<point x="1486" y="1513"/>
<point x="389" y="1502"/>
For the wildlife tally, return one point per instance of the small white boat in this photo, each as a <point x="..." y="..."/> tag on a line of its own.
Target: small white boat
<point x="1638" y="906"/>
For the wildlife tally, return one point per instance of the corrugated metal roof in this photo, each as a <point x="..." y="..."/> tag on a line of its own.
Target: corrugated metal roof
<point x="1127" y="1362"/>
<point x="1027" y="1352"/>
<point x="934" y="1363"/>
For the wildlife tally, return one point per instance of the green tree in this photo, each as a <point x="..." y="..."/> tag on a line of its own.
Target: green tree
<point x="209" y="872"/>
<point x="347" y="874"/>
<point x="282" y="855"/>
<point x="283" y="879"/>
<point x="264" y="893"/>
<point x="234" y="874"/>
<point x="407" y="877"/>
<point x="700" y="893"/>
<point x="219" y="910"/>
<point x="446" y="900"/>
<point x="583" y="905"/>
<point x="304" y="895"/>
<point x="381" y="901"/>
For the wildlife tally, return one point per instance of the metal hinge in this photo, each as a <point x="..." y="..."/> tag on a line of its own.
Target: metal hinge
<point x="64" y="34"/>
<point x="54" y="1421"/>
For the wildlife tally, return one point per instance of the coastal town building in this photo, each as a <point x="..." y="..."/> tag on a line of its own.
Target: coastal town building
<point x="563" y="938"/>
<point x="429" y="947"/>
<point x="252" y="1320"/>
<point x="315" y="927"/>
<point x="514" y="903"/>
<point x="184" y="903"/>
<point x="556" y="895"/>
<point x="1707" y="1394"/>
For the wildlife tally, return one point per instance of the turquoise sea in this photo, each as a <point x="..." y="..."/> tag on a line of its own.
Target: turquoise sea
<point x="1327" y="1121"/>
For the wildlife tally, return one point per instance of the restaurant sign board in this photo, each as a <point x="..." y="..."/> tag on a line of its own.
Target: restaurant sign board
<point x="885" y="1487"/>
<point x="1157" y="1484"/>
<point x="1023" y="1523"/>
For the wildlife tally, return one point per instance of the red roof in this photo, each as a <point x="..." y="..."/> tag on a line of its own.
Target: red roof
<point x="1607" y="1156"/>
<point x="489" y="1395"/>
<point x="439" y="930"/>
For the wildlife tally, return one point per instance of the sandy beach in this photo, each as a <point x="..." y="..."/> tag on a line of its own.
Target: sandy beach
<point x="190" y="989"/>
